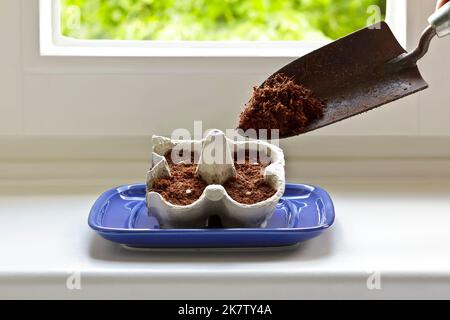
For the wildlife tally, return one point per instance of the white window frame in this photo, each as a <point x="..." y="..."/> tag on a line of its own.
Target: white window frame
<point x="53" y="43"/>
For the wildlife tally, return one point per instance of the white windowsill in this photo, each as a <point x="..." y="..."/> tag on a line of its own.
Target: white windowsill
<point x="370" y="216"/>
<point x="380" y="191"/>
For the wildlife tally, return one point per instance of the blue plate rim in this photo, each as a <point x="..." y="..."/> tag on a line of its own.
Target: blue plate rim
<point x="330" y="217"/>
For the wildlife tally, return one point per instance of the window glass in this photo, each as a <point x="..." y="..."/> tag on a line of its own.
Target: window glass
<point x="217" y="20"/>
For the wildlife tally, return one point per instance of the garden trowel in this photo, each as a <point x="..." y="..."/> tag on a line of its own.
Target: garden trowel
<point x="364" y="70"/>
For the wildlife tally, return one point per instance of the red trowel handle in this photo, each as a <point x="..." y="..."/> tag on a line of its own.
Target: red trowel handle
<point x="440" y="3"/>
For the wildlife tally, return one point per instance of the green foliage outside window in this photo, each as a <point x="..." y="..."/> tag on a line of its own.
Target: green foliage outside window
<point x="221" y="20"/>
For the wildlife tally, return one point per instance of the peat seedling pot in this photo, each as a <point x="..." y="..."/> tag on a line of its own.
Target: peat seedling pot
<point x="222" y="186"/>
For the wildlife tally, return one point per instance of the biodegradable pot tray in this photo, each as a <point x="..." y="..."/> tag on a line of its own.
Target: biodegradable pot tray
<point x="214" y="200"/>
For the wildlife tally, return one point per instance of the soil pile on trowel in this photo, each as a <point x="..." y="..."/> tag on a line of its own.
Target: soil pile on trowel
<point x="281" y="103"/>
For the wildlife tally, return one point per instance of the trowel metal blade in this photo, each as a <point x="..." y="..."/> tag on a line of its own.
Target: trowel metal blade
<point x="348" y="74"/>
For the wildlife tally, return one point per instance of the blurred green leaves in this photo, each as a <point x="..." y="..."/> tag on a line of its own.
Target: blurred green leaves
<point x="214" y="20"/>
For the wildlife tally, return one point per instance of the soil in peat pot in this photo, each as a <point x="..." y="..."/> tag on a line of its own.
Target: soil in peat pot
<point x="184" y="187"/>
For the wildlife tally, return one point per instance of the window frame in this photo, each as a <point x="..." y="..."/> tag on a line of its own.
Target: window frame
<point x="53" y="43"/>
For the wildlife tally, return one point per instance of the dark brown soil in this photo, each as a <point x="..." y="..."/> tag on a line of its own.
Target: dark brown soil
<point x="184" y="187"/>
<point x="281" y="104"/>
<point x="249" y="186"/>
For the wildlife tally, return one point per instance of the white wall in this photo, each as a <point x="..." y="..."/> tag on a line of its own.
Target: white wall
<point x="142" y="96"/>
<point x="11" y="75"/>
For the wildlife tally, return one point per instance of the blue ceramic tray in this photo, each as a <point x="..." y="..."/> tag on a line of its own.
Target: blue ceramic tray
<point x="120" y="215"/>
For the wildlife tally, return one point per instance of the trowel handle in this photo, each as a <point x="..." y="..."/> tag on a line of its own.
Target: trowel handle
<point x="439" y="25"/>
<point x="440" y="20"/>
